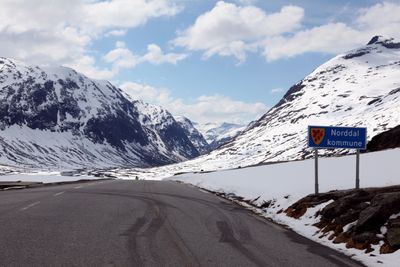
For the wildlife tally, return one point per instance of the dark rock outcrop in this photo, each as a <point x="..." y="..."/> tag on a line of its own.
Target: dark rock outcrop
<point x="382" y="206"/>
<point x="388" y="42"/>
<point x="367" y="209"/>
<point x="393" y="232"/>
<point x="385" y="140"/>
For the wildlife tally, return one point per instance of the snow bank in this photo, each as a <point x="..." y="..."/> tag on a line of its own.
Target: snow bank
<point x="297" y="178"/>
<point x="44" y="178"/>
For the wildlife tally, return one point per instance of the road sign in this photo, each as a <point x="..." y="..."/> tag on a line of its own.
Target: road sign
<point x="337" y="137"/>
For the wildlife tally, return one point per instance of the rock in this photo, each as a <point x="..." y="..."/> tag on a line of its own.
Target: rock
<point x="295" y="213"/>
<point x="386" y="249"/>
<point x="385" y="140"/>
<point x="365" y="237"/>
<point x="342" y="238"/>
<point x="393" y="232"/>
<point x="300" y="207"/>
<point x="382" y="207"/>
<point x="342" y="205"/>
<point x="350" y="215"/>
<point x="353" y="205"/>
<point x="361" y="246"/>
<point x="374" y="40"/>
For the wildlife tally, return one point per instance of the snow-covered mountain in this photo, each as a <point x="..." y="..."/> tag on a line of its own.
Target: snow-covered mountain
<point x="56" y="117"/>
<point x="194" y="135"/>
<point x="217" y="134"/>
<point x="358" y="88"/>
<point x="169" y="134"/>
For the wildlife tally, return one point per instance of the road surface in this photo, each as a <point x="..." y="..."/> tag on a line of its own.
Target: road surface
<point x="144" y="223"/>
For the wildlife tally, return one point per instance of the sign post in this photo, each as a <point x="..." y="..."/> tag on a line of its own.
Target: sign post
<point x="337" y="137"/>
<point x="358" y="169"/>
<point x="316" y="171"/>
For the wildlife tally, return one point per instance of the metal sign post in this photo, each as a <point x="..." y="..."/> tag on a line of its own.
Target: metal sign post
<point x="316" y="171"/>
<point x="358" y="169"/>
<point x="337" y="137"/>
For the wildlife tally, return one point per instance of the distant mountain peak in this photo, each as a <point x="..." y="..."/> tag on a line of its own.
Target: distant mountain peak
<point x="374" y="39"/>
<point x="376" y="45"/>
<point x="386" y="42"/>
<point x="218" y="134"/>
<point x="194" y="134"/>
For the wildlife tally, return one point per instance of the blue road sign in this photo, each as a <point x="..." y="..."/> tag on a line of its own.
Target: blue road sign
<point x="337" y="137"/>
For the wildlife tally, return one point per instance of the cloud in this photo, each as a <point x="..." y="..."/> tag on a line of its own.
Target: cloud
<point x="87" y="65"/>
<point x="231" y="30"/>
<point x="61" y="32"/>
<point x="157" y="57"/>
<point x="103" y="15"/>
<point x="234" y="30"/>
<point x="380" y="19"/>
<point x="123" y="58"/>
<point x="116" y="33"/>
<point x="333" y="38"/>
<point x="277" y="90"/>
<point x="214" y="108"/>
<point x="379" y="15"/>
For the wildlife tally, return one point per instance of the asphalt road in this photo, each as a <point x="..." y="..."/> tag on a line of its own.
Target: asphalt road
<point x="144" y="223"/>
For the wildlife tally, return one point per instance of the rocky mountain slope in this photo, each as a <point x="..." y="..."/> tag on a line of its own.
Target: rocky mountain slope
<point x="56" y="117"/>
<point x="357" y="88"/>
<point x="170" y="136"/>
<point x="194" y="135"/>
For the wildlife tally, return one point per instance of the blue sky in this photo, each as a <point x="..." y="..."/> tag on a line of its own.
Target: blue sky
<point x="211" y="61"/>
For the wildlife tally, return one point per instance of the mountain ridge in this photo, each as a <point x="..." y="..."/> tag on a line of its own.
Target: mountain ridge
<point x="194" y="135"/>
<point x="55" y="117"/>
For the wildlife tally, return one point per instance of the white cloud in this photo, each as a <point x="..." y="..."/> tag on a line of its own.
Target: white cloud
<point x="214" y="108"/>
<point x="87" y="65"/>
<point x="277" y="90"/>
<point x="123" y="58"/>
<point x="330" y="38"/>
<point x="379" y="15"/>
<point x="157" y="57"/>
<point x="380" y="19"/>
<point x="61" y="32"/>
<point x="231" y="30"/>
<point x="116" y="33"/>
<point x="102" y="15"/>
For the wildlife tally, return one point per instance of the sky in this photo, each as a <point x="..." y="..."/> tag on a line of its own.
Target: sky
<point x="211" y="61"/>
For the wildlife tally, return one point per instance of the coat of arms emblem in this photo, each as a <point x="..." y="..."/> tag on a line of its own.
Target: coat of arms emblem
<point x="317" y="135"/>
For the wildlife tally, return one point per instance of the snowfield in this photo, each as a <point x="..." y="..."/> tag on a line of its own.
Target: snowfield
<point x="54" y="177"/>
<point x="285" y="183"/>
